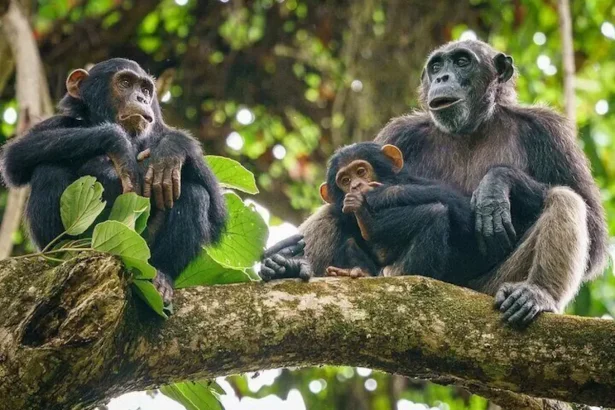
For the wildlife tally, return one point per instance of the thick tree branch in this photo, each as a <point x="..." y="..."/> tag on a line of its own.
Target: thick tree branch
<point x="74" y="334"/>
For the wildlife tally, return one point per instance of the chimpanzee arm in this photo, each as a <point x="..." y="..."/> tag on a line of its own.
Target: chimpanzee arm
<point x="177" y="158"/>
<point x="60" y="140"/>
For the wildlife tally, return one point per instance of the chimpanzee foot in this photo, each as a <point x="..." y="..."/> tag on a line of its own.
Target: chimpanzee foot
<point x="349" y="273"/>
<point x="521" y="302"/>
<point x="164" y="285"/>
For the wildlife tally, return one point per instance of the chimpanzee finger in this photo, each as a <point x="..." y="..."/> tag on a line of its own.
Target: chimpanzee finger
<point x="517" y="317"/>
<point x="501" y="295"/>
<point x="478" y="228"/>
<point x="143" y="155"/>
<point x="277" y="268"/>
<point x="510" y="300"/>
<point x="147" y="182"/>
<point x="305" y="272"/>
<point x="266" y="273"/>
<point x="177" y="183"/>
<point x="285" y="243"/>
<point x="534" y="311"/>
<point x="520" y="304"/>
<point x="508" y="225"/>
<point x="500" y="234"/>
<point x="167" y="187"/>
<point x="157" y="188"/>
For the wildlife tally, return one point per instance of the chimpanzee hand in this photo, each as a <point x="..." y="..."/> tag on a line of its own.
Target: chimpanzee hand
<point x="491" y="204"/>
<point x="278" y="260"/>
<point x="353" y="273"/>
<point x="122" y="154"/>
<point x="164" y="285"/>
<point x="521" y="302"/>
<point x="163" y="177"/>
<point x="353" y="201"/>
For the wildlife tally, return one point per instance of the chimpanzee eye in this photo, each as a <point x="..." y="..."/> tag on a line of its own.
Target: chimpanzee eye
<point x="125" y="83"/>
<point x="145" y="91"/>
<point x="462" y="61"/>
<point x="361" y="172"/>
<point x="435" y="67"/>
<point x="345" y="181"/>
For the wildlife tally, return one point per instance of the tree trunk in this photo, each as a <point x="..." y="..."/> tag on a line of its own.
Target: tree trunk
<point x="73" y="335"/>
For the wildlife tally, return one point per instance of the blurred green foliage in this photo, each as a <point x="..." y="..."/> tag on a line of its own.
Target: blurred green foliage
<point x="278" y="84"/>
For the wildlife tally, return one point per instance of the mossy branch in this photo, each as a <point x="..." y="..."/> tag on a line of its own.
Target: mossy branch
<point x="73" y="335"/>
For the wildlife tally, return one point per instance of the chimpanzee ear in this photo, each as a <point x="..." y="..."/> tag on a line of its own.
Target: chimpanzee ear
<point x="504" y="66"/>
<point x="73" y="81"/>
<point x="324" y="193"/>
<point x="394" y="155"/>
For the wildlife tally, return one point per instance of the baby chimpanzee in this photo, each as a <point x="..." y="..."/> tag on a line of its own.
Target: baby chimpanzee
<point x="401" y="224"/>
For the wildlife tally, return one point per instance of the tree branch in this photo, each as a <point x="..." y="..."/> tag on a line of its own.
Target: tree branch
<point x="74" y="335"/>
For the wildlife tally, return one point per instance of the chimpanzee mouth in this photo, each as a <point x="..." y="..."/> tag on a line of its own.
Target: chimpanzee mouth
<point x="146" y="117"/>
<point x="441" y="103"/>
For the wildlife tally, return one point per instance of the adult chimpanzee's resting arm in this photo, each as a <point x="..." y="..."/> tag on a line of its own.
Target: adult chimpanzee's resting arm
<point x="63" y="140"/>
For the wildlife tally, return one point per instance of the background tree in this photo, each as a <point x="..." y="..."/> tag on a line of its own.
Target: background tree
<point x="278" y="84"/>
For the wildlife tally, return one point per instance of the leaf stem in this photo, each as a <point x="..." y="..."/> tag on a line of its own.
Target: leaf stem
<point x="53" y="241"/>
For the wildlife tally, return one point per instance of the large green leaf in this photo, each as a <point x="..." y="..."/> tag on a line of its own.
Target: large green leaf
<point x="205" y="271"/>
<point x="231" y="174"/>
<point x="80" y="205"/>
<point x="117" y="239"/>
<point x="245" y="237"/>
<point x="193" y="395"/>
<point x="147" y="291"/>
<point x="132" y="210"/>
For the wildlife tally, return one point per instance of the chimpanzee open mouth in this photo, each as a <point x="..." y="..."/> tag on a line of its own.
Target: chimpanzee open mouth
<point x="440" y="103"/>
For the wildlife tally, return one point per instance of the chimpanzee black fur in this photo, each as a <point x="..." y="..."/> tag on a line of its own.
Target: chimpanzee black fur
<point x="110" y="115"/>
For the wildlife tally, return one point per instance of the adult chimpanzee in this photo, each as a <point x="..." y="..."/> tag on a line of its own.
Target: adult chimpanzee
<point x="474" y="135"/>
<point x="108" y="118"/>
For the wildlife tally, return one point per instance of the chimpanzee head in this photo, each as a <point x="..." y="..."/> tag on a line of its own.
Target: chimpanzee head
<point x="352" y="168"/>
<point x="462" y="82"/>
<point x="116" y="90"/>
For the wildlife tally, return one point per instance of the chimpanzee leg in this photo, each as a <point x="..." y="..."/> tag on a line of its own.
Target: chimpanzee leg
<point x="422" y="233"/>
<point x="43" y="209"/>
<point x="183" y="232"/>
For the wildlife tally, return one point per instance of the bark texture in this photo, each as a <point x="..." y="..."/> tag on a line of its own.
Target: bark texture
<point x="73" y="335"/>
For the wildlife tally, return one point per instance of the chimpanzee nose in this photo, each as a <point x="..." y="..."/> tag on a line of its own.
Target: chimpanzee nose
<point x="443" y="78"/>
<point x="141" y="99"/>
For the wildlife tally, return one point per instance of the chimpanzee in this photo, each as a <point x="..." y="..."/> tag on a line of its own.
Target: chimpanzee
<point x="374" y="194"/>
<point x="108" y="118"/>
<point x="472" y="134"/>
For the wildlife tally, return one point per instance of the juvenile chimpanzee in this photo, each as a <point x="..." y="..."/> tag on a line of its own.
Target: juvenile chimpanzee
<point x="108" y="118"/>
<point x="374" y="195"/>
<point x="473" y="135"/>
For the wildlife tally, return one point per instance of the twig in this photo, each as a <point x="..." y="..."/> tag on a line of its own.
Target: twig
<point x="565" y="23"/>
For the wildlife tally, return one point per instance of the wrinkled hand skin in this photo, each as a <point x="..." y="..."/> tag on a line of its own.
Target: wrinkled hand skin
<point x="353" y="273"/>
<point x="162" y="179"/>
<point x="279" y="261"/>
<point x="353" y="201"/>
<point x="496" y="235"/>
<point x="521" y="302"/>
<point x="127" y="170"/>
<point x="164" y="285"/>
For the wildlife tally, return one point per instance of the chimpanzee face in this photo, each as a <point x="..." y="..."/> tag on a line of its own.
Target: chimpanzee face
<point x="117" y="90"/>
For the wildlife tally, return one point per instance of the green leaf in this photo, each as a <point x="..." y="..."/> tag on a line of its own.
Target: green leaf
<point x="193" y="395"/>
<point x="80" y="205"/>
<point x="231" y="174"/>
<point x="132" y="210"/>
<point x="117" y="239"/>
<point x="205" y="271"/>
<point x="245" y="237"/>
<point x="147" y="291"/>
